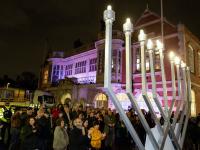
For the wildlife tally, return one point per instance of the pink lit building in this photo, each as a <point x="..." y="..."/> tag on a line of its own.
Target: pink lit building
<point x="79" y="76"/>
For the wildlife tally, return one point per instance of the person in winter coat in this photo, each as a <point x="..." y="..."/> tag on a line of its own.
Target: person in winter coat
<point x="78" y="139"/>
<point x="61" y="139"/>
<point x="15" y="132"/>
<point x="30" y="136"/>
<point x="96" y="136"/>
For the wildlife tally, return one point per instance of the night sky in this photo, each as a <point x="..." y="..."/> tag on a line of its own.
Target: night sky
<point x="26" y="24"/>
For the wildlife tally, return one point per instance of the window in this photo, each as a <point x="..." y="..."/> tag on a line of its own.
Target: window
<point x="199" y="63"/>
<point x="55" y="73"/>
<point x="138" y="63"/>
<point x="114" y="60"/>
<point x="61" y="72"/>
<point x="191" y="58"/>
<point x="147" y="64"/>
<point x="80" y="67"/>
<point x="157" y="60"/>
<point x="93" y="63"/>
<point x="101" y="61"/>
<point x="45" y="77"/>
<point x="68" y="70"/>
<point x="119" y="61"/>
<point x="101" y="101"/>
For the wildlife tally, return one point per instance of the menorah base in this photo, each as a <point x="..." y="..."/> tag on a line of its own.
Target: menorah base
<point x="168" y="143"/>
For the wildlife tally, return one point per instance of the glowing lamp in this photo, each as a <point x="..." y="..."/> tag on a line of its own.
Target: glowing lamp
<point x="159" y="45"/>
<point x="109" y="7"/>
<point x="183" y="65"/>
<point x="142" y="36"/>
<point x="149" y="44"/>
<point x="177" y="60"/>
<point x="128" y="26"/>
<point x="171" y="55"/>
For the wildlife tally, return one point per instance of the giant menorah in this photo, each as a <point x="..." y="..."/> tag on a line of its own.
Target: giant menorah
<point x="170" y="135"/>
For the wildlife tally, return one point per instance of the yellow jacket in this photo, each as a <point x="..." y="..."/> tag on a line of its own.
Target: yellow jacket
<point x="96" y="138"/>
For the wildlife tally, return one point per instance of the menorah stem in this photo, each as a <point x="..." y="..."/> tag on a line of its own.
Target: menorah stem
<point x="143" y="68"/>
<point x="164" y="83"/>
<point x="185" y="102"/>
<point x="128" y="28"/>
<point x="153" y="82"/>
<point x="173" y="88"/>
<point x="173" y="81"/>
<point x="189" y="105"/>
<point x="128" y="63"/>
<point x="108" y="42"/>
<point x="109" y="17"/>
<point x="142" y="38"/>
<point x="179" y="80"/>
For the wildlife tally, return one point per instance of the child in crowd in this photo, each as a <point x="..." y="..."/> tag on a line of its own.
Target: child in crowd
<point x="96" y="136"/>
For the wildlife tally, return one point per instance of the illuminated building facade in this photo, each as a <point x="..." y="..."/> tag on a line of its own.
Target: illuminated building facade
<point x="79" y="76"/>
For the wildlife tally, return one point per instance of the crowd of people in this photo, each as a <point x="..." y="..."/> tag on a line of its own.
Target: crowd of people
<point x="77" y="128"/>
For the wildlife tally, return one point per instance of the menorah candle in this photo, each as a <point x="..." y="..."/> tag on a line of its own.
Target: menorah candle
<point x="153" y="79"/>
<point x="177" y="62"/>
<point x="128" y="29"/>
<point x="109" y="17"/>
<point x="173" y="75"/>
<point x="142" y="38"/>
<point x="183" y="67"/>
<point x="160" y="48"/>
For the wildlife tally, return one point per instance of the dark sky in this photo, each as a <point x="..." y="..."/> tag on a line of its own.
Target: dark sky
<point x="26" y="24"/>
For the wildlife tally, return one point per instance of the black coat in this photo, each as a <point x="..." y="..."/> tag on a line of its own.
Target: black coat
<point x="30" y="140"/>
<point x="77" y="141"/>
<point x="14" y="140"/>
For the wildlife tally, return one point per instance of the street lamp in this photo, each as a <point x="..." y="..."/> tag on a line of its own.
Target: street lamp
<point x="7" y="85"/>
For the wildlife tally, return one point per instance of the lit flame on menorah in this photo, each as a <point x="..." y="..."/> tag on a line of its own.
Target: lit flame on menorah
<point x="170" y="135"/>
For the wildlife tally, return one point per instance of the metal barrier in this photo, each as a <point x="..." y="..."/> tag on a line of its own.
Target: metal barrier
<point x="169" y="134"/>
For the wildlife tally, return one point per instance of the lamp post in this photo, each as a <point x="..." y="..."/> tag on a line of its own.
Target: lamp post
<point x="7" y="85"/>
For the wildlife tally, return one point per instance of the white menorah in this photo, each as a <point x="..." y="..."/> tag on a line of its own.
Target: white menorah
<point x="171" y="135"/>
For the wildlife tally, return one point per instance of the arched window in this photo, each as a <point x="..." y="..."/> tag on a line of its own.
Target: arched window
<point x="65" y="98"/>
<point x="124" y="100"/>
<point x="191" y="58"/>
<point x="101" y="100"/>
